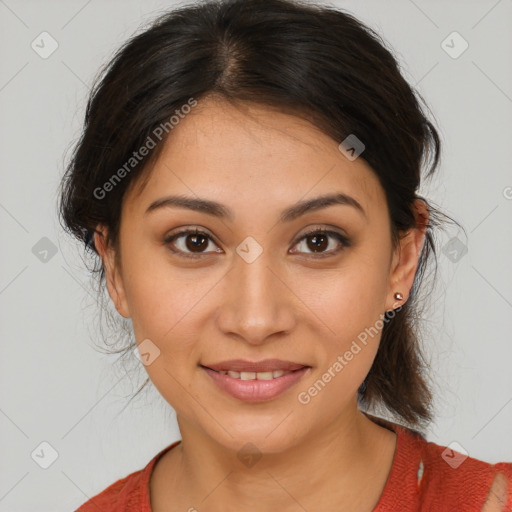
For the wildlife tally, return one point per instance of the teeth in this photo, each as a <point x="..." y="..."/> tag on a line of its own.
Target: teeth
<point x="264" y="376"/>
<point x="254" y="375"/>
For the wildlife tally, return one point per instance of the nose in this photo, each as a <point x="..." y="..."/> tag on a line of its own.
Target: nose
<point x="256" y="302"/>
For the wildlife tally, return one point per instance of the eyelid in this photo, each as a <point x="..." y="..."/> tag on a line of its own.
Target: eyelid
<point x="322" y="228"/>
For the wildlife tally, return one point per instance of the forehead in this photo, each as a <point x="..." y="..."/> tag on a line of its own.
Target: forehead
<point x="249" y="155"/>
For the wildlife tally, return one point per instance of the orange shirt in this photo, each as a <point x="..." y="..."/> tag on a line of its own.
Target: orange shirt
<point x="424" y="477"/>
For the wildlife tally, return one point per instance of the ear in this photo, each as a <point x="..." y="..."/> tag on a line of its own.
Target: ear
<point x="112" y="271"/>
<point x="406" y="257"/>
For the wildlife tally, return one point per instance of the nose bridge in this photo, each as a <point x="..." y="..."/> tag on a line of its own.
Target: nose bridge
<point x="255" y="303"/>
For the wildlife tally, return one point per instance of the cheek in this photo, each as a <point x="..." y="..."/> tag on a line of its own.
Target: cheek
<point x="164" y="303"/>
<point x="348" y="300"/>
<point x="345" y="361"/>
<point x="160" y="295"/>
<point x="169" y="306"/>
<point x="351" y="309"/>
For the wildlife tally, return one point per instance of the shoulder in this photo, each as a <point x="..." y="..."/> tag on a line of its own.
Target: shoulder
<point x="448" y="475"/>
<point x="126" y="494"/>
<point x="119" y="496"/>
<point x="499" y="498"/>
<point x="437" y="478"/>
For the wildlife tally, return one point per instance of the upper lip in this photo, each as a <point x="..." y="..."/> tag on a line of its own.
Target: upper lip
<point x="266" y="365"/>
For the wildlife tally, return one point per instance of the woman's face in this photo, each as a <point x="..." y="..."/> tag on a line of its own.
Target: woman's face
<point x="252" y="286"/>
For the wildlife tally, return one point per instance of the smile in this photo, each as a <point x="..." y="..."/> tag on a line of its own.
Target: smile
<point x="274" y="374"/>
<point x="255" y="386"/>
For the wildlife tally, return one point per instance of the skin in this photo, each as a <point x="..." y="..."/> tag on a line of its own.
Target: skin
<point x="285" y="304"/>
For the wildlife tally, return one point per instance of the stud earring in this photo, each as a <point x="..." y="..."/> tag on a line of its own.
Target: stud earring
<point x="398" y="296"/>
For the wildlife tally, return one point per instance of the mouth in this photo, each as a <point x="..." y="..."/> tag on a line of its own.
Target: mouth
<point x="264" y="366"/>
<point x="255" y="382"/>
<point x="247" y="375"/>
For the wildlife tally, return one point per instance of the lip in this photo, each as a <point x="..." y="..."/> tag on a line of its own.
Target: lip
<point x="266" y="365"/>
<point x="256" y="390"/>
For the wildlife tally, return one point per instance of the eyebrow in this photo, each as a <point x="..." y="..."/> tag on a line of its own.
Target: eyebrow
<point x="223" y="212"/>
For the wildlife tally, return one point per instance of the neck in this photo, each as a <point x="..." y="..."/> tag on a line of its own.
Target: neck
<point x="347" y="463"/>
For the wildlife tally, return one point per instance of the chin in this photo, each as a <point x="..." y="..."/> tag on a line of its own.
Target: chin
<point x="269" y="435"/>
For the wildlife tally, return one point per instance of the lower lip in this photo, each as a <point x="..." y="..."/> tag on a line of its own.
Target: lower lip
<point x="255" y="390"/>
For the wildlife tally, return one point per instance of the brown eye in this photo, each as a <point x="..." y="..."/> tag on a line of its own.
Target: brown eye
<point x="318" y="243"/>
<point x="196" y="242"/>
<point x="319" y="240"/>
<point x="190" y="243"/>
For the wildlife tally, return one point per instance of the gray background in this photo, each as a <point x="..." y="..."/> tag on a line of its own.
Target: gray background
<point x="56" y="388"/>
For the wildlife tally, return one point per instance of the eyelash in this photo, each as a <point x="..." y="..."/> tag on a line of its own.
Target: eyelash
<point x="342" y="239"/>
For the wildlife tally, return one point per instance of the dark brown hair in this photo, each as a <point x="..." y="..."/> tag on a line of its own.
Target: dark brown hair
<point x="316" y="62"/>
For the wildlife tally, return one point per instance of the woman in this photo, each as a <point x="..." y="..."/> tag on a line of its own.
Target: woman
<point x="248" y="177"/>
